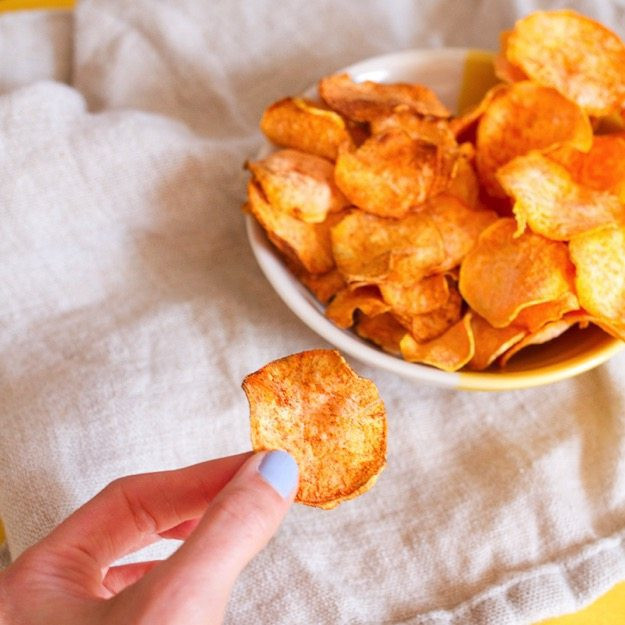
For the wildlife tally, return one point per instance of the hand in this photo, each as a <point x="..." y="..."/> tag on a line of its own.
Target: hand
<point x="225" y="510"/>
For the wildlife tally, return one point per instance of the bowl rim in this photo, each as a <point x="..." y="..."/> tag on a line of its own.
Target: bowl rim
<point x="305" y="306"/>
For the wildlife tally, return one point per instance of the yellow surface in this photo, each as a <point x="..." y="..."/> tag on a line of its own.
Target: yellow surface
<point x="609" y="609"/>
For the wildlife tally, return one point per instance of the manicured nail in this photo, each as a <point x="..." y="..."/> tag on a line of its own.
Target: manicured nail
<point x="280" y="471"/>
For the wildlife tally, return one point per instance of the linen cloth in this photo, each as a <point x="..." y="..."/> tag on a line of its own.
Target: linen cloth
<point x="131" y="308"/>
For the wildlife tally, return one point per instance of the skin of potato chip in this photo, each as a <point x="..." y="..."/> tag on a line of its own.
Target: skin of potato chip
<point x="504" y="274"/>
<point x="383" y="330"/>
<point x="300" y="124"/>
<point x="536" y="316"/>
<point x="579" y="57"/>
<point x="309" y="244"/>
<point x="331" y="420"/>
<point x="421" y="297"/>
<point x="367" y="299"/>
<point x="551" y="203"/>
<point x="367" y="101"/>
<point x="449" y="352"/>
<point x="522" y="117"/>
<point x="491" y="342"/>
<point x="300" y="184"/>
<point x="372" y="249"/>
<point x="599" y="259"/>
<point x="390" y="173"/>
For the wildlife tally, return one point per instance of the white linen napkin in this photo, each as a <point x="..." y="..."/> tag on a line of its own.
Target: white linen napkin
<point x="131" y="308"/>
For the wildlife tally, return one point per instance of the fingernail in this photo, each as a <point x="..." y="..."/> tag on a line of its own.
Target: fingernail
<point x="280" y="471"/>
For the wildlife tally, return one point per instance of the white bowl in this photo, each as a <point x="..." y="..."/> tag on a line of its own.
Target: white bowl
<point x="572" y="353"/>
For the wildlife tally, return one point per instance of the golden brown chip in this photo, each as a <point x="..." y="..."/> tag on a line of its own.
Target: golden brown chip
<point x="303" y="125"/>
<point x="599" y="259"/>
<point x="307" y="243"/>
<point x="383" y="330"/>
<point x="427" y="326"/>
<point x="421" y="297"/>
<point x="504" y="274"/>
<point x="491" y="342"/>
<point x="300" y="184"/>
<point x="366" y="101"/>
<point x="536" y="316"/>
<point x="332" y="421"/>
<point x="390" y="173"/>
<point x="525" y="116"/>
<point x="372" y="249"/>
<point x="367" y="299"/>
<point x="551" y="203"/>
<point x="579" y="57"/>
<point x="449" y="352"/>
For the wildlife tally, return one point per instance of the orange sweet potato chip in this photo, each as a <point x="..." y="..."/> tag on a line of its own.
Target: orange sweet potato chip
<point x="300" y="184"/>
<point x="303" y="125"/>
<point x="383" y="330"/>
<point x="391" y="172"/>
<point x="332" y="421"/>
<point x="324" y="286"/>
<point x="366" y="101"/>
<point x="367" y="299"/>
<point x="504" y="274"/>
<point x="522" y="117"/>
<point x="490" y="343"/>
<point x="579" y="57"/>
<point x="421" y="297"/>
<point x="427" y="326"/>
<point x="536" y="316"/>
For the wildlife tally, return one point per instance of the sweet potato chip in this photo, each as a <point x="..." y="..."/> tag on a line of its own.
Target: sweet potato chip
<point x="302" y="125"/>
<point x="464" y="185"/>
<point x="431" y="130"/>
<point x="390" y="173"/>
<point x="324" y="286"/>
<point x="383" y="330"/>
<point x="427" y="326"/>
<point x="551" y="203"/>
<point x="522" y="117"/>
<point x="300" y="184"/>
<point x="332" y="421"/>
<point x="491" y="342"/>
<point x="536" y="316"/>
<point x="307" y="243"/>
<point x="504" y="274"/>
<point x="449" y="352"/>
<point x="372" y="249"/>
<point x="367" y="299"/>
<point x="599" y="259"/>
<point x="579" y="57"/>
<point x="421" y="297"/>
<point x="366" y="101"/>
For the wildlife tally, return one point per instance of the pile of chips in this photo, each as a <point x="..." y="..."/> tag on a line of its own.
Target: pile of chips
<point x="456" y="241"/>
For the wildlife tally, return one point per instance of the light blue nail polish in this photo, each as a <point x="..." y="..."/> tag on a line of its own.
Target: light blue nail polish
<point x="280" y="471"/>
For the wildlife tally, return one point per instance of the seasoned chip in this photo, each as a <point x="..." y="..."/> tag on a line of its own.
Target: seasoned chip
<point x="599" y="259"/>
<point x="414" y="299"/>
<point x="449" y="352"/>
<point x="389" y="173"/>
<point x="504" y="274"/>
<point x="307" y="243"/>
<point x="300" y="184"/>
<point x="303" y="125"/>
<point x="522" y="117"/>
<point x="551" y="203"/>
<point x="491" y="342"/>
<point x="579" y="57"/>
<point x="367" y="299"/>
<point x="366" y="101"/>
<point x="372" y="249"/>
<point x="332" y="421"/>
<point x="383" y="330"/>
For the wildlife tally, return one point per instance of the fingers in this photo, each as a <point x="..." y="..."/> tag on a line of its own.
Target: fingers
<point x="118" y="578"/>
<point x="236" y="526"/>
<point x="133" y="511"/>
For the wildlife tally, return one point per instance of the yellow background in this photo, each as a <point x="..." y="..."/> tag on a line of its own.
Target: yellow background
<point x="609" y="609"/>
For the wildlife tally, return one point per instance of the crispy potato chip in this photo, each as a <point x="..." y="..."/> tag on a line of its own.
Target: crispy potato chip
<point x="421" y="297"/>
<point x="431" y="130"/>
<point x="307" y="243"/>
<point x="372" y="249"/>
<point x="366" y="101"/>
<point x="383" y="330"/>
<point x="491" y="342"/>
<point x="390" y="173"/>
<point x="300" y="184"/>
<point x="522" y="117"/>
<point x="323" y="286"/>
<point x="579" y="57"/>
<point x="302" y="125"/>
<point x="367" y="299"/>
<point x="332" y="421"/>
<point x="427" y="326"/>
<point x="504" y="274"/>
<point x="599" y="259"/>
<point x="551" y="203"/>
<point x="536" y="316"/>
<point x="449" y="352"/>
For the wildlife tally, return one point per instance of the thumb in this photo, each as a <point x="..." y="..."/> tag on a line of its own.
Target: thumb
<point x="194" y="584"/>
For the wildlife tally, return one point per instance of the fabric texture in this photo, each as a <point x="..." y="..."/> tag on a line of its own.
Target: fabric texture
<point x="131" y="308"/>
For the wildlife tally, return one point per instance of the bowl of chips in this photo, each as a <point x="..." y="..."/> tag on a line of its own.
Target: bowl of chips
<point x="454" y="216"/>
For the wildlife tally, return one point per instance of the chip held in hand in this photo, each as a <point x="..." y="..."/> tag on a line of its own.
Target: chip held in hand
<point x="332" y="421"/>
